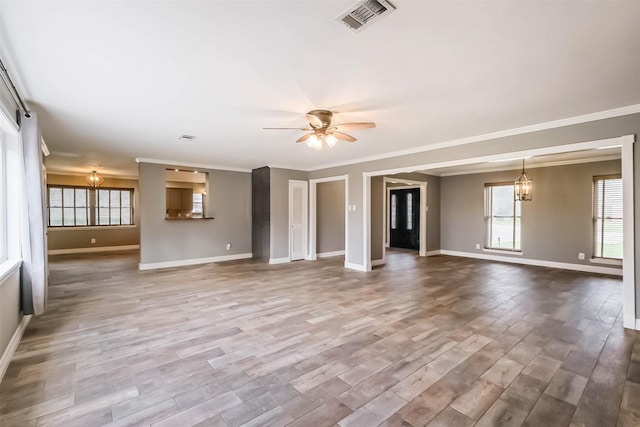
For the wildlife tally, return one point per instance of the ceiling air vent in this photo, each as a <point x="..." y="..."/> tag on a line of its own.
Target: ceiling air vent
<point x="363" y="13"/>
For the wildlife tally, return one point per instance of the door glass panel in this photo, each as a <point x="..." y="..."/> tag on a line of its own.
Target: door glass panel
<point x="394" y="206"/>
<point x="409" y="211"/>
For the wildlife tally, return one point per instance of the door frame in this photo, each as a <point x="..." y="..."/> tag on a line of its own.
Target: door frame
<point x="422" y="185"/>
<point x="313" y="214"/>
<point x="305" y="214"/>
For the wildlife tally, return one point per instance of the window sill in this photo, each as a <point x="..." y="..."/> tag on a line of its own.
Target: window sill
<point x="7" y="267"/>
<point x="606" y="261"/>
<point x="92" y="227"/>
<point x="502" y="251"/>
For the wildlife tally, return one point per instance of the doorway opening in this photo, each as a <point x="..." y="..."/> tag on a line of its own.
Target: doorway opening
<point x="328" y="217"/>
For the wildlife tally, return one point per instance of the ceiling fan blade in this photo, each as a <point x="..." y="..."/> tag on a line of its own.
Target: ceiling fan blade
<point x="343" y="136"/>
<point x="288" y="128"/>
<point x="354" y="126"/>
<point x="314" y="121"/>
<point x="303" y="138"/>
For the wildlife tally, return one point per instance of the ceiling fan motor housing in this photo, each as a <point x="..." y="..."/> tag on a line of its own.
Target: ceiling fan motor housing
<point x="324" y="116"/>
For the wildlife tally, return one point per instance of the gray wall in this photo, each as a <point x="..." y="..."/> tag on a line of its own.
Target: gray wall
<point x="228" y="201"/>
<point x="280" y="209"/>
<point x="10" y="314"/>
<point x="594" y="130"/>
<point x="330" y="216"/>
<point x="73" y="238"/>
<point x="556" y="224"/>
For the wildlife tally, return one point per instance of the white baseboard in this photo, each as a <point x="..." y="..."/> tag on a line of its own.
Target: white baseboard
<point x="377" y="262"/>
<point x="92" y="249"/>
<point x="536" y="262"/>
<point x="279" y="260"/>
<point x="357" y="267"/>
<point x="193" y="261"/>
<point x="330" y="254"/>
<point x="13" y="345"/>
<point x="434" y="253"/>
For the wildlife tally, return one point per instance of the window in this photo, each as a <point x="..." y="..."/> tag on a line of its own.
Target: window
<point x="607" y="217"/>
<point x="82" y="206"/>
<point x="3" y="202"/>
<point x="502" y="217"/>
<point x="197" y="204"/>
<point x="394" y="204"/>
<point x="409" y="211"/>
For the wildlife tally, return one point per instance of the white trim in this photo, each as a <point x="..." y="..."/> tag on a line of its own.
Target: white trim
<point x="190" y="164"/>
<point x="193" y="261"/>
<point x="502" y="251"/>
<point x="536" y="262"/>
<point x="532" y="166"/>
<point x="92" y="249"/>
<point x="357" y="267"/>
<point x="313" y="213"/>
<point x="7" y="267"/>
<point x="553" y="149"/>
<point x="377" y="262"/>
<point x="282" y="260"/>
<point x="628" y="258"/>
<point x="386" y="235"/>
<point x="366" y="223"/>
<point x="92" y="227"/>
<point x="606" y="261"/>
<point x="7" y="356"/>
<point x="330" y="254"/>
<point x="434" y="252"/>
<point x="637" y="324"/>
<point x="305" y="215"/>
<point x="607" y="114"/>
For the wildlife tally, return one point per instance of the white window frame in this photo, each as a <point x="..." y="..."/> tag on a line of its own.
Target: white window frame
<point x="596" y="218"/>
<point x="3" y="200"/>
<point x="488" y="215"/>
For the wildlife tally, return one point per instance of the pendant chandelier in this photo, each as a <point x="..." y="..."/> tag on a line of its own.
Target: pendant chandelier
<point x="94" y="180"/>
<point x="523" y="187"/>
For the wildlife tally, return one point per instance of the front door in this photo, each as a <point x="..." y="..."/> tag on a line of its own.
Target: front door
<point x="404" y="217"/>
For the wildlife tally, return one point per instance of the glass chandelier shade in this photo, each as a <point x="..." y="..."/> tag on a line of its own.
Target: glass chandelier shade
<point x="94" y="179"/>
<point x="523" y="187"/>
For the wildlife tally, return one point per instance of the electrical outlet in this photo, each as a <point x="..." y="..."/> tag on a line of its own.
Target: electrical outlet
<point x="228" y="245"/>
<point x="477" y="245"/>
<point x="581" y="255"/>
<point x="93" y="240"/>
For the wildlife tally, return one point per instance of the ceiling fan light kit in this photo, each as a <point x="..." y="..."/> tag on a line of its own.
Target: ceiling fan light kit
<point x="323" y="132"/>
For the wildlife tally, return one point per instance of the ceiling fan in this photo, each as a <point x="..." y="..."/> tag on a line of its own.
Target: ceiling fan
<point x="322" y="131"/>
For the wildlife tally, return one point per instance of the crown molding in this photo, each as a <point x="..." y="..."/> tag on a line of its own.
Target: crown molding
<point x="585" y="118"/>
<point x="532" y="166"/>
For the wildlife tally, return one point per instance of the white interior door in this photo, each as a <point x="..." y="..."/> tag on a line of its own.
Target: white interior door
<point x="297" y="220"/>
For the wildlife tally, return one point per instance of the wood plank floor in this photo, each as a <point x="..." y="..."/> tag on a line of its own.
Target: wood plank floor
<point x="437" y="341"/>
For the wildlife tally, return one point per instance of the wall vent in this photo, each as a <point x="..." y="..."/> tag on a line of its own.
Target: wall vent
<point x="363" y="13"/>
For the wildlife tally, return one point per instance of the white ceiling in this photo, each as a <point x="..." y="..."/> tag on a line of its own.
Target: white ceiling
<point x="113" y="81"/>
